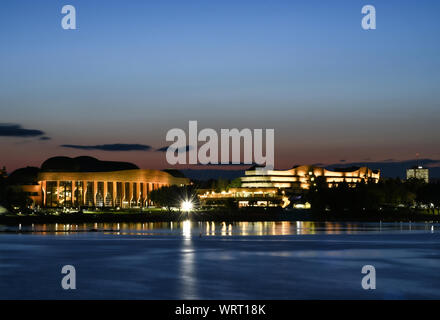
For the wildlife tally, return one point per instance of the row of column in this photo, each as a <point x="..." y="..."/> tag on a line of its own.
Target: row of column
<point x="122" y="199"/>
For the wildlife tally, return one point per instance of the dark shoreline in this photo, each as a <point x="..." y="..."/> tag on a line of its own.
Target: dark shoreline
<point x="222" y="216"/>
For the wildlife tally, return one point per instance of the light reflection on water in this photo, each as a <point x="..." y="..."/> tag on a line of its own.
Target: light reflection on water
<point x="188" y="287"/>
<point x="188" y="229"/>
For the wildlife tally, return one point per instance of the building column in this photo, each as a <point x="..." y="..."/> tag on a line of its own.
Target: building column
<point x="141" y="194"/>
<point x="138" y="192"/>
<point x="44" y="193"/>
<point x="145" y="194"/>
<point x="105" y="192"/>
<point x="130" y="193"/>
<point x="95" y="192"/>
<point x="115" y="194"/>
<point x="58" y="193"/>
<point x="84" y="193"/>
<point x="123" y="194"/>
<point x="72" y="195"/>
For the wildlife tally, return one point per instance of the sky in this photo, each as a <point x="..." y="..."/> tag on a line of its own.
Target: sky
<point x="132" y="70"/>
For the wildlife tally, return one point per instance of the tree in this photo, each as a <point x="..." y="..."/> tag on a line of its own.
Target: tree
<point x="236" y="183"/>
<point x="172" y="196"/>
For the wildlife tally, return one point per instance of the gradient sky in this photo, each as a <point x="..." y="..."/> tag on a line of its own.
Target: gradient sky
<point x="135" y="69"/>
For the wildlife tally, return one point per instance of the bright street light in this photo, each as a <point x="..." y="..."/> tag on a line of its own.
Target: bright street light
<point x="186" y="205"/>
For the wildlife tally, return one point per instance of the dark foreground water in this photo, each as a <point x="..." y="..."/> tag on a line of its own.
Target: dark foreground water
<point x="260" y="260"/>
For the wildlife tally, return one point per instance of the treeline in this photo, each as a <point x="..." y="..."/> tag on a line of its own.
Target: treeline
<point x="386" y="194"/>
<point x="173" y="196"/>
<point x="217" y="185"/>
<point x="11" y="197"/>
<point x="3" y="191"/>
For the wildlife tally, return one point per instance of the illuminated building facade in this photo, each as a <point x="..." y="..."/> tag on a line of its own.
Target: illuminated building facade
<point x="418" y="172"/>
<point x="85" y="181"/>
<point x="125" y="188"/>
<point x="271" y="187"/>
<point x="245" y="196"/>
<point x="302" y="177"/>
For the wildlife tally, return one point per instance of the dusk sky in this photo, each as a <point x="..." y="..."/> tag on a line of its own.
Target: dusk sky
<point x="135" y="69"/>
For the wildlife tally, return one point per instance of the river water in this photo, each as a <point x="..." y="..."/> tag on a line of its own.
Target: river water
<point x="207" y="260"/>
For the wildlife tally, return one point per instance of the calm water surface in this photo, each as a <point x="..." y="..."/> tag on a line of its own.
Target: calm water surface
<point x="207" y="260"/>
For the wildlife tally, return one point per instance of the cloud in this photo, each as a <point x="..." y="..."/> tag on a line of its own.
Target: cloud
<point x="110" y="147"/>
<point x="15" y="130"/>
<point x="45" y="138"/>
<point x="182" y="149"/>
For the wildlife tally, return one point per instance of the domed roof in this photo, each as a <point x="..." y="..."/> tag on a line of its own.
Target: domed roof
<point x="84" y="164"/>
<point x="175" y="173"/>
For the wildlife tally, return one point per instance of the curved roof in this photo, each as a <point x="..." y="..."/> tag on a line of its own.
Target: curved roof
<point x="175" y="173"/>
<point x="84" y="164"/>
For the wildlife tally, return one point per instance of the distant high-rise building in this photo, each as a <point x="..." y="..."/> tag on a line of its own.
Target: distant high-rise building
<point x="418" y="172"/>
